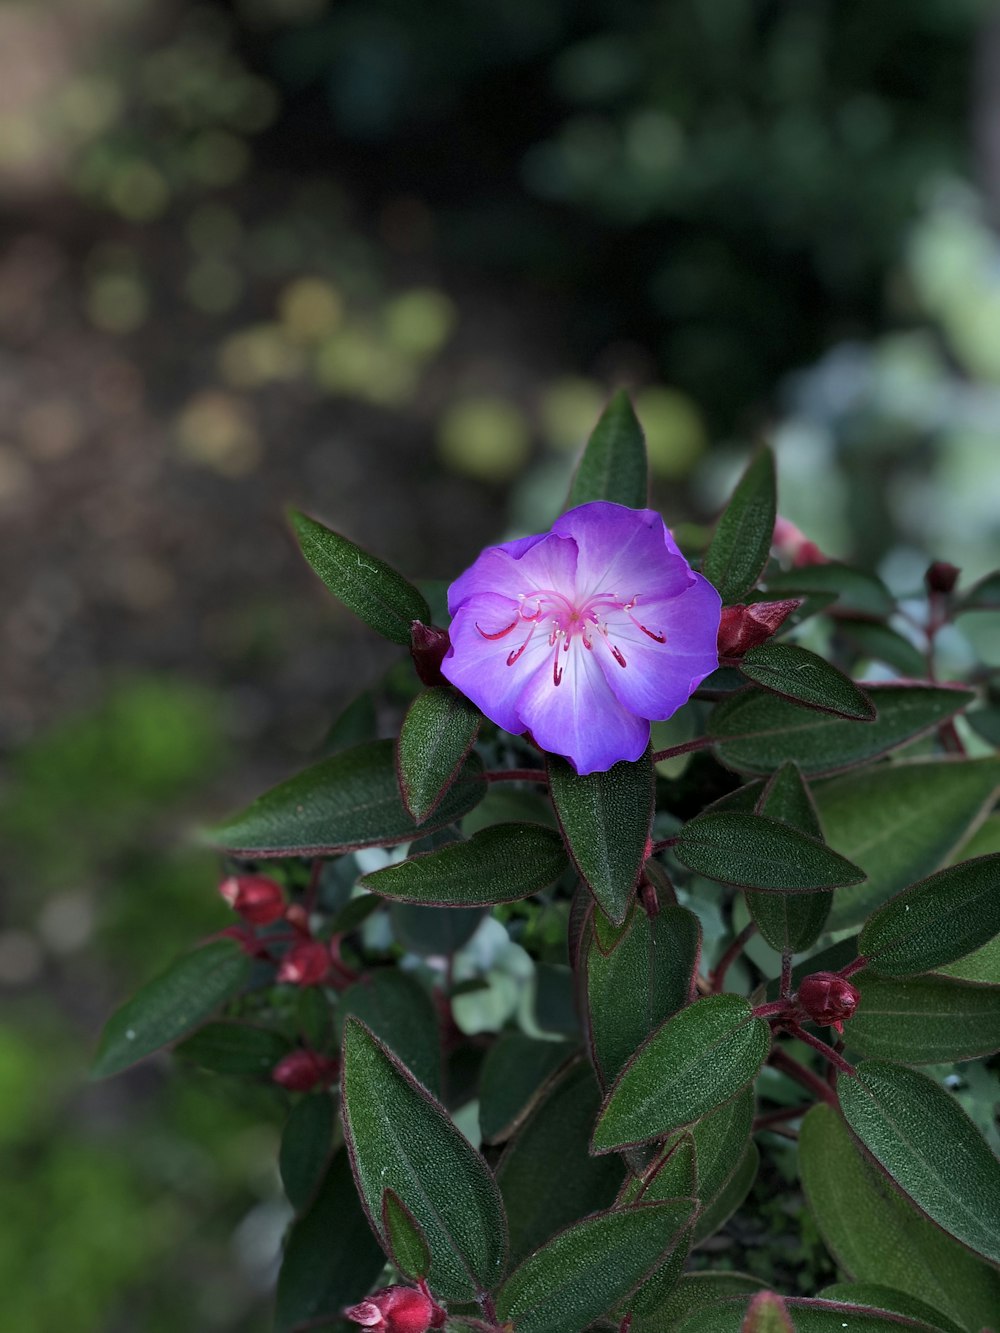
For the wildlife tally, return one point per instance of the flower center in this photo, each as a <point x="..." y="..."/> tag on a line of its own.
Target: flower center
<point x="566" y="621"/>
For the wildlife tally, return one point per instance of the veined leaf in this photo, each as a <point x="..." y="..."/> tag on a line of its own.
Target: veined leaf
<point x="924" y="1020"/>
<point x="406" y="1242"/>
<point x="805" y="677"/>
<point x="789" y="921"/>
<point x="887" y="1298"/>
<point x="613" y="466"/>
<point x="742" y="541"/>
<point x="398" y="1009"/>
<point x="438" y="732"/>
<point x="760" y="853"/>
<point x="809" y="1317"/>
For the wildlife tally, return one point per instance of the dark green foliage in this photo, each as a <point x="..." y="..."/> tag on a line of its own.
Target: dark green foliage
<point x="613" y="466"/>
<point x="742" y="539"/>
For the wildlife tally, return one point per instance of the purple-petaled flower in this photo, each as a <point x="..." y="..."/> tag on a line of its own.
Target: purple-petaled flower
<point x="584" y="634"/>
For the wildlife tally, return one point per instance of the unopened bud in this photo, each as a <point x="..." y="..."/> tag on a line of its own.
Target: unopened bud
<point x="301" y="1071"/>
<point x="828" y="999"/>
<point x="767" y="1313"/>
<point x="792" y="543"/>
<point x="397" y="1310"/>
<point x="744" y="627"/>
<point x="428" y="646"/>
<point x="941" y="577"/>
<point x="258" y="899"/>
<point x="305" y="964"/>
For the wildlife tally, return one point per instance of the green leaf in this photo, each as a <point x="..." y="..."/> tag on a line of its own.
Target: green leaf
<point x="856" y="590"/>
<point x="929" y="1147"/>
<point x="742" y="542"/>
<point x="798" y="674"/>
<point x="546" y="1175"/>
<point x="591" y="1267"/>
<point x="730" y="1196"/>
<point x="790" y="921"/>
<point x="882" y="644"/>
<point x="439" y="730"/>
<point x="756" y="732"/>
<point x="434" y="931"/>
<point x="693" y="1293"/>
<point x="924" y="1020"/>
<point x="643" y="980"/>
<point x="887" y="1298"/>
<point x="348" y="801"/>
<point x="407" y="1244"/>
<point x="756" y="852"/>
<point x="400" y="1138"/>
<point x="982" y="596"/>
<point x="379" y="596"/>
<point x="306" y="1144"/>
<point x="691" y="1064"/>
<point x="514" y="1074"/>
<point x="605" y="819"/>
<point x="936" y="921"/>
<point x="356" y="724"/>
<point x="169" y="1006"/>
<point x="808" y="1316"/>
<point x="900" y="822"/>
<point x="980" y="965"/>
<point x="401" y="1014"/>
<point x="876" y="1235"/>
<point x="330" y="1258"/>
<point x="497" y="865"/>
<point x="613" y="466"/>
<point x="235" y="1048"/>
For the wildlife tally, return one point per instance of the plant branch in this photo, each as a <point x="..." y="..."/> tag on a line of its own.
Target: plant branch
<point x="517" y="775"/>
<point x="699" y="743"/>
<point x="718" y="973"/>
<point x="827" y="1052"/>
<point x="805" y="1077"/>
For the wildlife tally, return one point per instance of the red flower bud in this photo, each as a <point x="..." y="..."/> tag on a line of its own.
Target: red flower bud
<point x="397" y="1310"/>
<point x="828" y="999"/>
<point x="941" y="577"/>
<point x="792" y="543"/>
<point x="257" y="899"/>
<point x="744" y="627"/>
<point x="428" y="646"/>
<point x="301" y="1071"/>
<point x="305" y="964"/>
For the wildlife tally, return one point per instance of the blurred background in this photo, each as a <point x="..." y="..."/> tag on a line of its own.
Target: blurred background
<point x="387" y="260"/>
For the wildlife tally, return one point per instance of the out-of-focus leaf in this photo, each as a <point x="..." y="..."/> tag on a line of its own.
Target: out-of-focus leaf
<point x="856" y="590"/>
<point x="348" y="801"/>
<point x="742" y="540"/>
<point x="514" y="1073"/>
<point x="497" y="865"/>
<point x="796" y="673"/>
<point x="355" y="725"/>
<point x="400" y="1138"/>
<point x="379" y="596"/>
<point x="605" y="819"/>
<point x="434" y="931"/>
<point x="613" y="466"/>
<point x="982" y="596"/>
<point x="789" y="921"/>
<point x="924" y="1020"/>
<point x="691" y="1064"/>
<point x="900" y="822"/>
<point x="756" y="732"/>
<point x="439" y="730"/>
<point x="234" y="1048"/>
<point x="401" y="1014"/>
<point x="170" y="1005"/>
<point x="877" y="641"/>
<point x="937" y="921"/>
<point x="756" y="852"/>
<point x="929" y="1147"/>
<point x="306" y="1144"/>
<point x="876" y="1235"/>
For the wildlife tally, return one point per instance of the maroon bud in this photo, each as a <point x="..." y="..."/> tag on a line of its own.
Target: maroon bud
<point x="301" y="1071"/>
<point x="305" y="964"/>
<point x="744" y="627"/>
<point x="397" y="1310"/>
<point x="258" y="899"/>
<point x="793" y="544"/>
<point x="428" y="646"/>
<point x="941" y="577"/>
<point x="828" y="999"/>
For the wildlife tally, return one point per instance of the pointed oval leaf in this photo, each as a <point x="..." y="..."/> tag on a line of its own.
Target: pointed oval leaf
<point x="546" y="1175"/>
<point x="400" y="1138"/>
<point x="499" y="864"/>
<point x="408" y="1248"/>
<point x="856" y="590"/>
<point x="400" y="1012"/>
<point x="513" y="1076"/>
<point x="591" y="1267"/>
<point x="348" y="801"/>
<point x="756" y="732"/>
<point x="937" y="921"/>
<point x="170" y="1005"/>
<point x="613" y="466"/>
<point x="691" y="1064"/>
<point x="644" y="979"/>
<point x="235" y="1048"/>
<point x="756" y="852"/>
<point x="809" y="1317"/>
<point x="877" y="641"/>
<point x="876" y="1235"/>
<point x="790" y="921"/>
<point x="929" y="1147"/>
<point x="900" y="822"/>
<point x="887" y="1298"/>
<point x="924" y="1020"/>
<point x="306" y="1145"/>
<point x="720" y="1208"/>
<point x="742" y="541"/>
<point x="695" y="1292"/>
<point x="330" y="1258"/>
<point x="605" y="819"/>
<point x="798" y="674"/>
<point x="439" y="730"/>
<point x="376" y="594"/>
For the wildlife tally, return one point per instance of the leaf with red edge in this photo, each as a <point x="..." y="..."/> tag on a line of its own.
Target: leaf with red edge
<point x="439" y="730"/>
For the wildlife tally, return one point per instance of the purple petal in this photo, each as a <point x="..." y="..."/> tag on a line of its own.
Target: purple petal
<point x="623" y="551"/>
<point x="658" y="677"/>
<point x="486" y="631"/>
<point x="580" y="717"/>
<point x="545" y="561"/>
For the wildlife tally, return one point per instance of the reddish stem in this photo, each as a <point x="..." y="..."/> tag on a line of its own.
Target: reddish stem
<point x="516" y="775"/>
<point x="851" y="968"/>
<point x="718" y="974"/>
<point x="805" y="1077"/>
<point x="827" y="1052"/>
<point x="699" y="743"/>
<point x="774" y="1009"/>
<point x="770" y="1118"/>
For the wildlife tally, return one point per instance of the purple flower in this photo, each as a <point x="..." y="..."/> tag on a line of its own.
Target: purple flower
<point x="584" y="634"/>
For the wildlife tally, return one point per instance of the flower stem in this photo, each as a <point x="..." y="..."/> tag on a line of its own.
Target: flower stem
<point x="770" y="1118"/>
<point x="699" y="743"/>
<point x="516" y="775"/>
<point x="827" y="1052"/>
<point x="718" y="974"/>
<point x="805" y="1077"/>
